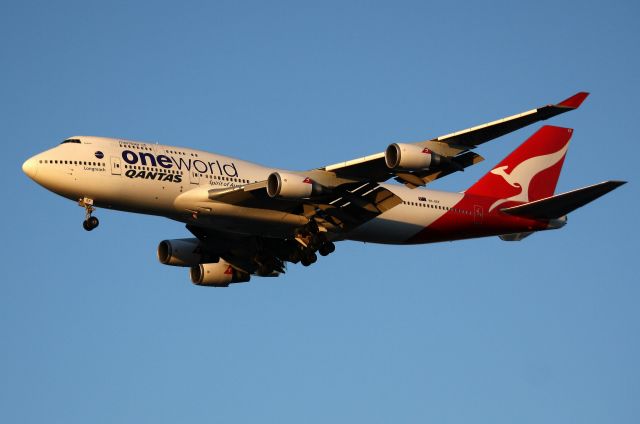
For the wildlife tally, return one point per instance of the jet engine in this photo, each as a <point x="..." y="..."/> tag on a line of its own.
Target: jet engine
<point x="292" y="186"/>
<point x="410" y="157"/>
<point x="183" y="252"/>
<point x="220" y="274"/>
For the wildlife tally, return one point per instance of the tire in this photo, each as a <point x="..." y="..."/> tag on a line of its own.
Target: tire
<point x="264" y="270"/>
<point x="294" y="256"/>
<point x="327" y="248"/>
<point x="93" y="222"/>
<point x="312" y="258"/>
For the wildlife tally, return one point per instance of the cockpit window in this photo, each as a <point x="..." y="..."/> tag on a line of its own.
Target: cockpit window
<point x="71" y="140"/>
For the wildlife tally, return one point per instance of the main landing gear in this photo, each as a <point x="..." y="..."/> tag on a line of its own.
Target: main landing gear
<point x="90" y="222"/>
<point x="312" y="240"/>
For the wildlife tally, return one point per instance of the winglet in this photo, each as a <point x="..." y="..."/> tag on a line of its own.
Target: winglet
<point x="574" y="101"/>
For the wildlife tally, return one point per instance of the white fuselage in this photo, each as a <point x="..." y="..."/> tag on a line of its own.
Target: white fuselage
<point x="168" y="181"/>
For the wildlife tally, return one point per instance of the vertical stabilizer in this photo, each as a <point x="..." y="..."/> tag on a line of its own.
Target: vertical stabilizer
<point x="530" y="172"/>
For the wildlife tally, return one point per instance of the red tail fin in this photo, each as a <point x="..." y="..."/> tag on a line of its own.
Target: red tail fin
<point x="530" y="172"/>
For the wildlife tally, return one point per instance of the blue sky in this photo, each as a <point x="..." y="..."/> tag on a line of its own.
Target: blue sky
<point x="94" y="329"/>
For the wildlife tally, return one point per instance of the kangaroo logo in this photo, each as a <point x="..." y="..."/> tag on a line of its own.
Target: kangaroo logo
<point x="521" y="176"/>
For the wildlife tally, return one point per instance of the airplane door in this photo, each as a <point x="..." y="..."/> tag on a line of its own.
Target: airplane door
<point x="477" y="214"/>
<point x="194" y="177"/>
<point x="115" y="166"/>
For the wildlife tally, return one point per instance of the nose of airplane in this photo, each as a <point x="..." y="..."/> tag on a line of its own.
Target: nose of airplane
<point x="30" y="167"/>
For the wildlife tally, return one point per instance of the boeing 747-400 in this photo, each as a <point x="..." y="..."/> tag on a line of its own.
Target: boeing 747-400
<point x="248" y="219"/>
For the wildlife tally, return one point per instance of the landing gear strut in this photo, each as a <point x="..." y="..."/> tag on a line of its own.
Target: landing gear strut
<point x="90" y="222"/>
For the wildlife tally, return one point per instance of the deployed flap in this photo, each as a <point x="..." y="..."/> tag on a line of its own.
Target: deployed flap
<point x="352" y="205"/>
<point x="561" y="204"/>
<point x="245" y="195"/>
<point x="373" y="167"/>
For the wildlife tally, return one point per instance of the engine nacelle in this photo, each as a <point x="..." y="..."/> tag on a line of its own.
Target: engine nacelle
<point x="292" y="186"/>
<point x="410" y="157"/>
<point x="182" y="252"/>
<point x="220" y="274"/>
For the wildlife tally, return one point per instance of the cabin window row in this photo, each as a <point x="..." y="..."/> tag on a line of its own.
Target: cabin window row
<point x="136" y="146"/>
<point x="176" y="152"/>
<point x="220" y="177"/>
<point x="432" y="206"/>
<point x="149" y="149"/>
<point x="70" y="162"/>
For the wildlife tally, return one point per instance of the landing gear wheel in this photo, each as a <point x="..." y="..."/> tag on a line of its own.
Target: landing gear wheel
<point x="317" y="241"/>
<point x="308" y="258"/>
<point x="264" y="270"/>
<point x="312" y="257"/>
<point x="93" y="222"/>
<point x="90" y="223"/>
<point x="327" y="248"/>
<point x="295" y="256"/>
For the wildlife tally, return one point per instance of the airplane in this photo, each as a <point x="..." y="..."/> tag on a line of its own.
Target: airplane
<point x="247" y="219"/>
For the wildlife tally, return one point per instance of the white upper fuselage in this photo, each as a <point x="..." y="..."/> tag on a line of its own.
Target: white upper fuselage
<point x="165" y="180"/>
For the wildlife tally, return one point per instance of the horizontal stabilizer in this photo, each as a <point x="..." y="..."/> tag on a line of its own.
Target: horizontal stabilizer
<point x="560" y="205"/>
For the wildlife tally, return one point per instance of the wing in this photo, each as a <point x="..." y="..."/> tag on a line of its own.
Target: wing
<point x="322" y="220"/>
<point x="341" y="208"/>
<point x="455" y="148"/>
<point x="351" y="195"/>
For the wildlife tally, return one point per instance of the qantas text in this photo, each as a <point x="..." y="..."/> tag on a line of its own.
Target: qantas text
<point x="148" y="175"/>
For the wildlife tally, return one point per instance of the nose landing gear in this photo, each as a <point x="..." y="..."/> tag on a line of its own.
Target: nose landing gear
<point x="90" y="222"/>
